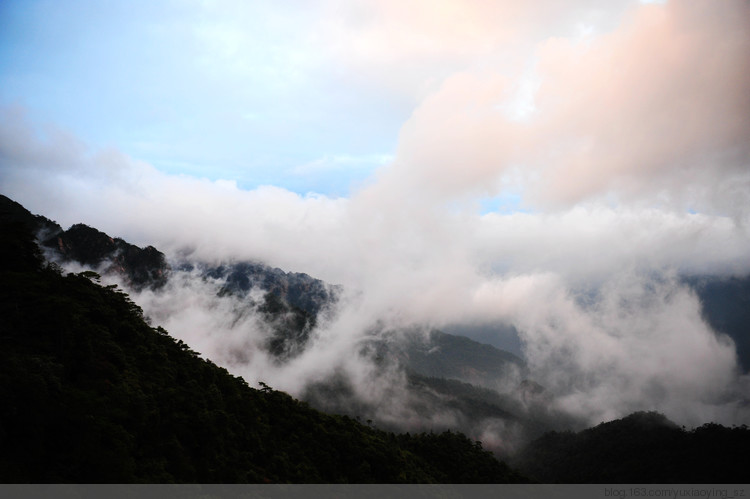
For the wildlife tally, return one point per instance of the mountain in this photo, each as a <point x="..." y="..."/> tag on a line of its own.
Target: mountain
<point x="291" y="302"/>
<point x="438" y="354"/>
<point x="298" y="290"/>
<point x="67" y="346"/>
<point x="92" y="393"/>
<point x="504" y="422"/>
<point x="13" y="214"/>
<point x="140" y="267"/>
<point x="726" y="307"/>
<point x="644" y="447"/>
<point x="452" y="382"/>
<point x="448" y="382"/>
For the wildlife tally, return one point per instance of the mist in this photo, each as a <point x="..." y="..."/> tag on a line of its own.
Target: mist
<point x="632" y="163"/>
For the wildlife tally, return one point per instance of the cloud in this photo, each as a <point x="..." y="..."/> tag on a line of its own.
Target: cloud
<point x="636" y="343"/>
<point x="407" y="260"/>
<point x="654" y="111"/>
<point x="343" y="162"/>
<point x="586" y="244"/>
<point x="633" y="157"/>
<point x="408" y="50"/>
<point x="660" y="104"/>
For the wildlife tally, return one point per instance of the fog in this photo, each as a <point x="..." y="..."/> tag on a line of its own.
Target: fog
<point x="633" y="167"/>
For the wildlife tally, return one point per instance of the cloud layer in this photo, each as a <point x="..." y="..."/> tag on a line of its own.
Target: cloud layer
<point x="630" y="149"/>
<point x="655" y="111"/>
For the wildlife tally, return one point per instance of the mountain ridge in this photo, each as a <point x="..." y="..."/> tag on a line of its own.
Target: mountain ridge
<point x="290" y="306"/>
<point x="443" y="372"/>
<point x="643" y="447"/>
<point x="93" y="394"/>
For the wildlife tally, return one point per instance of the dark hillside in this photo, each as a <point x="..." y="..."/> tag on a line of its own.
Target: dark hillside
<point x="439" y="354"/>
<point x="644" y="447"/>
<point x="91" y="393"/>
<point x="12" y="213"/>
<point x="139" y="267"/>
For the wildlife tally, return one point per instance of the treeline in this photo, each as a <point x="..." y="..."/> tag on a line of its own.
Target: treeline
<point x="644" y="447"/>
<point x="91" y="393"/>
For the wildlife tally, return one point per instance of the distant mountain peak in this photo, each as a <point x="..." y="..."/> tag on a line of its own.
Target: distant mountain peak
<point x="140" y="267"/>
<point x="299" y="290"/>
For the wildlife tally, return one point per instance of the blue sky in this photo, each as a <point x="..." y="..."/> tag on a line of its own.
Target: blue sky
<point x="488" y="104"/>
<point x="368" y="119"/>
<point x="196" y="91"/>
<point x="450" y="162"/>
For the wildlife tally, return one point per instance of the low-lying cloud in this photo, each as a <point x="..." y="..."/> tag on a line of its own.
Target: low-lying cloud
<point x="634" y="170"/>
<point x="605" y="324"/>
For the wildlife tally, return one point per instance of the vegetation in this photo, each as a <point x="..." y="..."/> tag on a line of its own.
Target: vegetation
<point x="91" y="393"/>
<point x="448" y="356"/>
<point x="644" y="447"/>
<point x="141" y="267"/>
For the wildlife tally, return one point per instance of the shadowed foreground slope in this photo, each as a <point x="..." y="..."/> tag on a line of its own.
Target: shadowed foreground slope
<point x="91" y="393"/>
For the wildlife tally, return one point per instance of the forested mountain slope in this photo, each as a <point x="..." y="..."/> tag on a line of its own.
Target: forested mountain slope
<point x="91" y="393"/>
<point x="644" y="447"/>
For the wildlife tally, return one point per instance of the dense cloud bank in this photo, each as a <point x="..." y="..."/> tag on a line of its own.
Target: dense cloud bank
<point x="632" y="166"/>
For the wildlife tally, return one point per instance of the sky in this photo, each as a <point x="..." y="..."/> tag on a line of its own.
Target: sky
<point x="555" y="166"/>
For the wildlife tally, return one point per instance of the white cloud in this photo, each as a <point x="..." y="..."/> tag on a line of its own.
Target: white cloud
<point x="630" y="127"/>
<point x="638" y="344"/>
<point x="409" y="260"/>
<point x="655" y="111"/>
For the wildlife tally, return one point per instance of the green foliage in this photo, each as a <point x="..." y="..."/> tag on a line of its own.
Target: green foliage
<point x="91" y="393"/>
